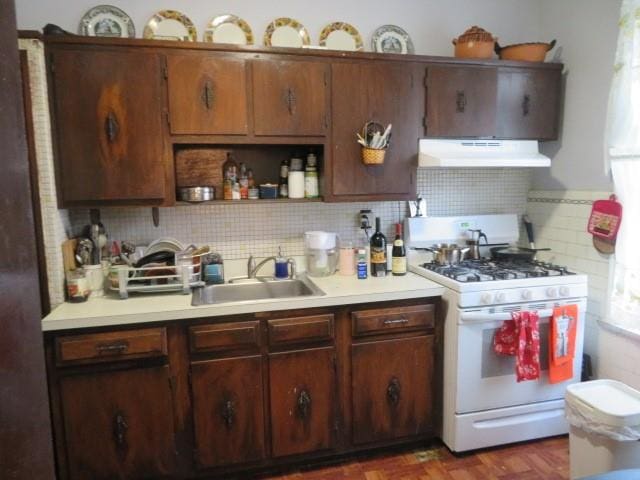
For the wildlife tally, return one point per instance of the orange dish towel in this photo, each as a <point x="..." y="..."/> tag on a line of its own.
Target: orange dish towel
<point x="521" y="337"/>
<point x="562" y="343"/>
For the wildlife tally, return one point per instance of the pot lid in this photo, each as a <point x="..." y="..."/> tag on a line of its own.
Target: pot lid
<point x="476" y="34"/>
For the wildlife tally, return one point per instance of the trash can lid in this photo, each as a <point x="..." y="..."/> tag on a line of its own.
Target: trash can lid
<point x="609" y="401"/>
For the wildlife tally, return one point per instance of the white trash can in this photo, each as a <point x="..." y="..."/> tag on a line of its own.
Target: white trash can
<point x="604" y="434"/>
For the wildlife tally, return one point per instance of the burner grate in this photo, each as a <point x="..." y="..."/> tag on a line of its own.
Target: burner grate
<point x="485" y="270"/>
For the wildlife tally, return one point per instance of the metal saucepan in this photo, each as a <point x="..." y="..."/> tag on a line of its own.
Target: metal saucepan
<point x="444" y="254"/>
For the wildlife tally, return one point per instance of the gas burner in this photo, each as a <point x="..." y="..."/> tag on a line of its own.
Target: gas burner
<point x="484" y="270"/>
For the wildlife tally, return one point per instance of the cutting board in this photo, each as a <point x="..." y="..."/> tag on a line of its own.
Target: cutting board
<point x="69" y="253"/>
<point x="200" y="167"/>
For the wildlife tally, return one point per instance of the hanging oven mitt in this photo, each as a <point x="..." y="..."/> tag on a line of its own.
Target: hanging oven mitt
<point x="562" y="343"/>
<point x="528" y="356"/>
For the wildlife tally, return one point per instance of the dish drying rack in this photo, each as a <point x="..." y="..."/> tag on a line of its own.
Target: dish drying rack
<point x="185" y="276"/>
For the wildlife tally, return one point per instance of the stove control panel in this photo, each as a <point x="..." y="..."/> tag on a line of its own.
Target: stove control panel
<point x="506" y="296"/>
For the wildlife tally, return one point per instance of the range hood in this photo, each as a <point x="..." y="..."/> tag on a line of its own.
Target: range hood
<point x="481" y="153"/>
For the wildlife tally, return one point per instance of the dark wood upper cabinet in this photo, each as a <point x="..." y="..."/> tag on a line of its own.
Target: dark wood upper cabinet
<point x="108" y="116"/>
<point x="303" y="400"/>
<point x="119" y="425"/>
<point x="227" y="411"/>
<point x="528" y="103"/>
<point x="461" y="101"/>
<point x="290" y="97"/>
<point x="493" y="102"/>
<point x="392" y="389"/>
<point x="387" y="93"/>
<point x="207" y="94"/>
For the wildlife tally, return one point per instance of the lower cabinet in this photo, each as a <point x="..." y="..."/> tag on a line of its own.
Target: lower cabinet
<point x="303" y="399"/>
<point x="391" y="389"/>
<point x="228" y="413"/>
<point x="118" y="425"/>
<point x="212" y="399"/>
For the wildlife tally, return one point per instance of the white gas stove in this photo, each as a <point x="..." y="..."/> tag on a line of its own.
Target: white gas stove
<point x="483" y="403"/>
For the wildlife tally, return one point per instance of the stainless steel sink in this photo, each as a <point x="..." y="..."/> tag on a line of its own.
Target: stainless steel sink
<point x="254" y="289"/>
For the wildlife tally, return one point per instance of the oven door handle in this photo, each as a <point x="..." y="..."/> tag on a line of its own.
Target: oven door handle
<point x="478" y="317"/>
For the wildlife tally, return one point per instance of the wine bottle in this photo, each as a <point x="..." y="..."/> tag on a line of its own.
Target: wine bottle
<point x="398" y="254"/>
<point x="378" y="252"/>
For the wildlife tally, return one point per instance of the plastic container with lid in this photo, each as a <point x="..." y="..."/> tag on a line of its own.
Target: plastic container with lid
<point x="604" y="418"/>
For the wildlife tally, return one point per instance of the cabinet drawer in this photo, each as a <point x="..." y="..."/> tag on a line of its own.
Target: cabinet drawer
<point x="224" y="336"/>
<point x="392" y="320"/>
<point x="109" y="346"/>
<point x="300" y="329"/>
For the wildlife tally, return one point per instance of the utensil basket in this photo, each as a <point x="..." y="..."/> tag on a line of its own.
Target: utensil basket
<point x="185" y="276"/>
<point x="373" y="156"/>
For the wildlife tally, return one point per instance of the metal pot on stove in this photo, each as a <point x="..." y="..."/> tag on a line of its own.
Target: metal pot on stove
<point x="448" y="254"/>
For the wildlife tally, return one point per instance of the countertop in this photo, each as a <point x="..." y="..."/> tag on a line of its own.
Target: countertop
<point x="139" y="309"/>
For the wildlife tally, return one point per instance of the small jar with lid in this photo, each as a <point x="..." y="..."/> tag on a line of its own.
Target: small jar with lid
<point x="77" y="286"/>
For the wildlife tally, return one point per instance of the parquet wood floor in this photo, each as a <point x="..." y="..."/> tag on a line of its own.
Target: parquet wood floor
<point x="537" y="460"/>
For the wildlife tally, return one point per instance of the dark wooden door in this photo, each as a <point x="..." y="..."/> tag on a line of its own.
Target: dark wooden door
<point x="303" y="398"/>
<point x="461" y="101"/>
<point x="26" y="450"/>
<point x="528" y="103"/>
<point x="388" y="94"/>
<point x="392" y="389"/>
<point x="228" y="410"/>
<point x="119" y="425"/>
<point x="109" y="124"/>
<point x="207" y="94"/>
<point x="290" y="97"/>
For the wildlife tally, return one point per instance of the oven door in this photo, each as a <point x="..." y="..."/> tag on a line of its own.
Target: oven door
<point x="487" y="380"/>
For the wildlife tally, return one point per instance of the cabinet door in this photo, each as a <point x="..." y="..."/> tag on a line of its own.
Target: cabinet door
<point x="528" y="103"/>
<point x="303" y="397"/>
<point x="461" y="102"/>
<point x="227" y="410"/>
<point x="290" y="97"/>
<point x="392" y="389"/>
<point x="109" y="124"/>
<point x="388" y="94"/>
<point x="207" y="94"/>
<point x="119" y="425"/>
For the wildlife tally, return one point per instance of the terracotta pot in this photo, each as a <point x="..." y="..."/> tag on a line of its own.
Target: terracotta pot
<point x="528" y="52"/>
<point x="475" y="42"/>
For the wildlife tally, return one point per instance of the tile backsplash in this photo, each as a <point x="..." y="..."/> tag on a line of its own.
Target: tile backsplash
<point x="237" y="231"/>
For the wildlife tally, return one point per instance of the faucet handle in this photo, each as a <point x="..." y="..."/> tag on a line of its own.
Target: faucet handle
<point x="292" y="272"/>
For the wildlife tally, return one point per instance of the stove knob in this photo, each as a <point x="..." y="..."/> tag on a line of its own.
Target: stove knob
<point x="501" y="297"/>
<point x="564" y="291"/>
<point x="526" y="294"/>
<point x="485" y="298"/>
<point x="552" y="292"/>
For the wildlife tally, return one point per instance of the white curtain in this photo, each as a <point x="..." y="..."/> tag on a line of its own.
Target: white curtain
<point x="623" y="158"/>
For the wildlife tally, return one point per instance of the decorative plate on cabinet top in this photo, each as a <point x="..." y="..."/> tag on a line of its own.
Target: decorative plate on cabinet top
<point x="391" y="39"/>
<point x="341" y="36"/>
<point x="228" y="29"/>
<point x="106" y="21"/>
<point x="286" y="32"/>
<point x="170" y="25"/>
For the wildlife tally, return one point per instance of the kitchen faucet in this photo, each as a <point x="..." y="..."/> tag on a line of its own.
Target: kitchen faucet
<point x="252" y="268"/>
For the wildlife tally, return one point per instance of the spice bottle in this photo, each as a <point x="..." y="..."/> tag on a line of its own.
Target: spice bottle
<point x="311" y="177"/>
<point x="283" y="182"/>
